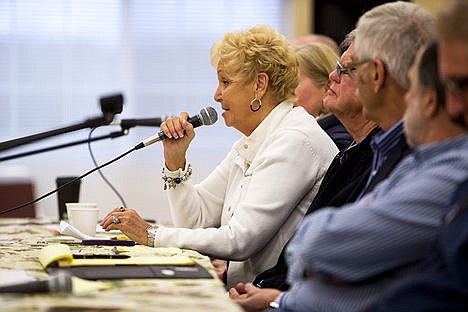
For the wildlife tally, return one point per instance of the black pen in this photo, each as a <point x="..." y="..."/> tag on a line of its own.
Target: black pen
<point x="108" y="242"/>
<point x="85" y="256"/>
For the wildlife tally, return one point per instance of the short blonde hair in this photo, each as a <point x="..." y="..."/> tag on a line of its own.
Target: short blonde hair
<point x="260" y="49"/>
<point x="317" y="61"/>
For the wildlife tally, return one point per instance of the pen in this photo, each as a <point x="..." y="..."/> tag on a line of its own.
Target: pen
<point x="120" y="237"/>
<point x="77" y="256"/>
<point x="108" y="242"/>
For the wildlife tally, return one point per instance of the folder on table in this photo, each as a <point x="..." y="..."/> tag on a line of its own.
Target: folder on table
<point x="59" y="257"/>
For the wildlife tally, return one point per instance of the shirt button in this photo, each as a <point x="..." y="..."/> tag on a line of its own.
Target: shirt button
<point x="246" y="146"/>
<point x="374" y="172"/>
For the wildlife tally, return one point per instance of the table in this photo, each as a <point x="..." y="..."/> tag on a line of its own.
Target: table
<point x="22" y="239"/>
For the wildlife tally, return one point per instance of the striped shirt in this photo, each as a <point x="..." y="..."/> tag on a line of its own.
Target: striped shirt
<point x="356" y="251"/>
<point x="382" y="144"/>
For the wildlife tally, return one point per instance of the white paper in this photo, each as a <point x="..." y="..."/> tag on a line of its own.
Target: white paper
<point x="68" y="229"/>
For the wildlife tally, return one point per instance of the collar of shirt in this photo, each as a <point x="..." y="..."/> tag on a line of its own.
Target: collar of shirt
<point x="247" y="147"/>
<point x="382" y="143"/>
<point x="344" y="154"/>
<point x="429" y="151"/>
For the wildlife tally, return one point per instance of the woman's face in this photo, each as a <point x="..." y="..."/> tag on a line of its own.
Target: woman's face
<point x="235" y="98"/>
<point x="309" y="95"/>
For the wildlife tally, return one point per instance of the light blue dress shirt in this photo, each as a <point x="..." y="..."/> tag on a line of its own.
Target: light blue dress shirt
<point x="357" y="250"/>
<point x="382" y="144"/>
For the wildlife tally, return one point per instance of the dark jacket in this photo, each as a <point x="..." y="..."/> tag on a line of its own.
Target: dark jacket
<point x="336" y="131"/>
<point x="344" y="181"/>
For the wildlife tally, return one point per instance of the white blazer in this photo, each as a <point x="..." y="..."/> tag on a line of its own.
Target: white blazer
<point x="248" y="208"/>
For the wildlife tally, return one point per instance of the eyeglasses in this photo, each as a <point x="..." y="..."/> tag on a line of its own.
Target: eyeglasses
<point x="340" y="70"/>
<point x="458" y="86"/>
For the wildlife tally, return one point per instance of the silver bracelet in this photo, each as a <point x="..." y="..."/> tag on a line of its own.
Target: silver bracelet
<point x="171" y="182"/>
<point x="151" y="232"/>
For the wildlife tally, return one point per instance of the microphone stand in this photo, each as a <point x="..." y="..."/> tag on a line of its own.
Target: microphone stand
<point x="110" y="105"/>
<point x="90" y="123"/>
<point x="107" y="117"/>
<point x="111" y="135"/>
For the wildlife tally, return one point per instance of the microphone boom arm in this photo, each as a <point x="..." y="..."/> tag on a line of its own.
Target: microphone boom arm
<point x="90" y="123"/>
<point x="110" y="105"/>
<point x="111" y="135"/>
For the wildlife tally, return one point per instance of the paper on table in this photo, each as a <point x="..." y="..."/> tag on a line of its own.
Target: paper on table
<point x="82" y="286"/>
<point x="68" y="229"/>
<point x="55" y="252"/>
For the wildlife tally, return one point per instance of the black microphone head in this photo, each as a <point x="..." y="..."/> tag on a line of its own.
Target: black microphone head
<point x="208" y="116"/>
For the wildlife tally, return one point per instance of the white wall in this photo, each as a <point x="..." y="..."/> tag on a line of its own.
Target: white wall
<point x="57" y="57"/>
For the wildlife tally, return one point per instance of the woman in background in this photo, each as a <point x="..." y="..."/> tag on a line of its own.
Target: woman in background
<point x="250" y="205"/>
<point x="316" y="62"/>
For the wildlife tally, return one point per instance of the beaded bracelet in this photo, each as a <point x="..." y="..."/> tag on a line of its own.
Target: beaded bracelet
<point x="170" y="182"/>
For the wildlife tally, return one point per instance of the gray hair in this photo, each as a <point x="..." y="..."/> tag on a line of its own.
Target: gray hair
<point x="394" y="32"/>
<point x="348" y="40"/>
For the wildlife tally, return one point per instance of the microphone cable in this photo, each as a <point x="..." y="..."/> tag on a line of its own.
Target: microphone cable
<point x="68" y="183"/>
<point x="207" y="116"/>
<point x="116" y="192"/>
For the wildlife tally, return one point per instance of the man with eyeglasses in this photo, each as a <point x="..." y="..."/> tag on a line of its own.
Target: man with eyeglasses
<point x="343" y="259"/>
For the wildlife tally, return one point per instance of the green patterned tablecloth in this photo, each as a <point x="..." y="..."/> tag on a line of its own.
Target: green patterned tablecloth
<point x="21" y="241"/>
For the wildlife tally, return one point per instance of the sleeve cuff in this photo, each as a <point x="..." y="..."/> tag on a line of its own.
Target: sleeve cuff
<point x="173" y="178"/>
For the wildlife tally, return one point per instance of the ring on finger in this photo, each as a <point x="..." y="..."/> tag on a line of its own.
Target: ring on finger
<point x="121" y="209"/>
<point x="115" y="220"/>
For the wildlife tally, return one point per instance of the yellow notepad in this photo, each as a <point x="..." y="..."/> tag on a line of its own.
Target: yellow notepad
<point x="61" y="254"/>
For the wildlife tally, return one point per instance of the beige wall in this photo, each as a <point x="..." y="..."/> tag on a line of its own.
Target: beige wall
<point x="433" y="6"/>
<point x="303" y="15"/>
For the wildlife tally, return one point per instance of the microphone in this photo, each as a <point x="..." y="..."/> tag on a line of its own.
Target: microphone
<point x="146" y="122"/>
<point x="206" y="117"/>
<point x="60" y="282"/>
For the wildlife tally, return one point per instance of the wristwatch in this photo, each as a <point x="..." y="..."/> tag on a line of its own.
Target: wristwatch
<point x="275" y="304"/>
<point x="151" y="232"/>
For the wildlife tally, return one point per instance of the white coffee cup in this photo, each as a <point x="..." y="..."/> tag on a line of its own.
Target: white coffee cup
<point x="83" y="216"/>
